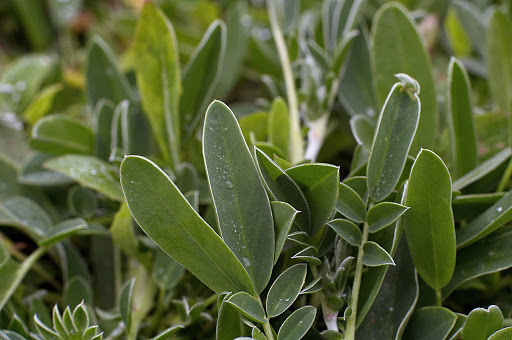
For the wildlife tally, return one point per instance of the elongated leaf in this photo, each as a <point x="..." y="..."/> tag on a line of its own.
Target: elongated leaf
<point x="347" y="230"/>
<point x="32" y="172"/>
<point x="241" y="203"/>
<point x="383" y="214"/>
<point x="398" y="48"/>
<point x="493" y="218"/>
<point x="248" y="306"/>
<point x="63" y="230"/>
<point x="363" y="129"/>
<point x="483" y="169"/>
<point x="374" y="255"/>
<point x="489" y="255"/>
<point x="102" y="124"/>
<point x="164" y="214"/>
<point x="284" y="215"/>
<point x="59" y="135"/>
<point x="474" y="23"/>
<point x="89" y="171"/>
<point x="285" y="289"/>
<point x="481" y="323"/>
<point x="164" y="335"/>
<point x="350" y="204"/>
<point x="499" y="52"/>
<point x="279" y="125"/>
<point x="468" y="207"/>
<point x="42" y="104"/>
<point x="319" y="183"/>
<point x="462" y="128"/>
<point x="205" y="68"/>
<point x="125" y="302"/>
<point x="25" y="214"/>
<point x="283" y="188"/>
<point x="395" y="131"/>
<point x="297" y="324"/>
<point x="229" y="325"/>
<point x="103" y="77"/>
<point x="429" y="225"/>
<point x="157" y="68"/>
<point x="430" y="323"/>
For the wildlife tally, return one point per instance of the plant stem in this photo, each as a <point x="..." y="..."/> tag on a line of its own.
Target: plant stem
<point x="296" y="148"/>
<point x="268" y="330"/>
<point x="439" y="298"/>
<point x="350" y="333"/>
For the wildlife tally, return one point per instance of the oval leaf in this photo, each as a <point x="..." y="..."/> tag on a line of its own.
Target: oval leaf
<point x="383" y="214"/>
<point x="297" y="324"/>
<point x="285" y="289"/>
<point x="243" y="209"/>
<point x="374" y="255"/>
<point x="429" y="225"/>
<point x="248" y="306"/>
<point x="347" y="231"/>
<point x="504" y="334"/>
<point x="284" y="215"/>
<point x="395" y="131"/>
<point x="430" y="323"/>
<point x="481" y="323"/>
<point x="165" y="215"/>
<point x="350" y="204"/>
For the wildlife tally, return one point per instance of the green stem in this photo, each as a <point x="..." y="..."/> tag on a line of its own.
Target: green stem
<point x="268" y="330"/>
<point x="350" y="333"/>
<point x="505" y="178"/>
<point x="296" y="151"/>
<point x="439" y="298"/>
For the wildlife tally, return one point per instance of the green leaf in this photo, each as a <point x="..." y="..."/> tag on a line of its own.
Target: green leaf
<point x="62" y="231"/>
<point x="229" y="325"/>
<point x="164" y="214"/>
<point x="205" y="68"/>
<point x="499" y="54"/>
<point x="309" y="255"/>
<point x="395" y="131"/>
<point x="347" y="230"/>
<point x="25" y="214"/>
<point x="319" y="183"/>
<point x="285" y="289"/>
<point x="31" y="172"/>
<point x="167" y="333"/>
<point x="90" y="172"/>
<point x="502" y="334"/>
<point x="430" y="323"/>
<point x="103" y="77"/>
<point x="297" y="324"/>
<point x="459" y="40"/>
<point x="42" y="104"/>
<point x="487" y="222"/>
<point x="481" y="323"/>
<point x="363" y="129"/>
<point x="374" y="255"/>
<point x="383" y="214"/>
<point x="80" y="317"/>
<point x="482" y="170"/>
<point x="283" y="188"/>
<point x="457" y="328"/>
<point x="283" y="215"/>
<point x="279" y="125"/>
<point x="467" y="207"/>
<point x="157" y="67"/>
<point x="60" y="135"/>
<point x="4" y="253"/>
<point x="491" y="254"/>
<point x="474" y="23"/>
<point x="248" y="306"/>
<point x="102" y="124"/>
<point x="398" y="48"/>
<point x="350" y="204"/>
<point x="241" y="203"/>
<point x="429" y="225"/>
<point x="460" y="113"/>
<point x="167" y="272"/>
<point x="76" y="290"/>
<point x="125" y="302"/>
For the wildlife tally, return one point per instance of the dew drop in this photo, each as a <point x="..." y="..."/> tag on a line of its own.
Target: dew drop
<point x="499" y="209"/>
<point x="229" y="185"/>
<point x="246" y="261"/>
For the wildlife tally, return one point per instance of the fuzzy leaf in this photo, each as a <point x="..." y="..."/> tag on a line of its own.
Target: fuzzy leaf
<point x="285" y="289"/>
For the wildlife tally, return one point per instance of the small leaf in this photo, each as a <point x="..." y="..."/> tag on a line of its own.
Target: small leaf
<point x="45" y="331"/>
<point x="308" y="255"/>
<point x="25" y="214"/>
<point x="285" y="289"/>
<point x="363" y="129"/>
<point x="32" y="172"/>
<point x="383" y="214"/>
<point x="503" y="334"/>
<point x="248" y="306"/>
<point x="60" y="135"/>
<point x="350" y="204"/>
<point x="169" y="332"/>
<point x="165" y="215"/>
<point x="481" y="323"/>
<point x="474" y="23"/>
<point x="241" y="202"/>
<point x="395" y="131"/>
<point x="430" y="323"/>
<point x="89" y="171"/>
<point x="279" y="125"/>
<point x="283" y="215"/>
<point x="62" y="231"/>
<point x="374" y="255"/>
<point x="125" y="302"/>
<point x="42" y="104"/>
<point x="319" y="183"/>
<point x="82" y="202"/>
<point x="429" y="225"/>
<point x="347" y="230"/>
<point x="297" y="324"/>
<point x="81" y="318"/>
<point x="76" y="291"/>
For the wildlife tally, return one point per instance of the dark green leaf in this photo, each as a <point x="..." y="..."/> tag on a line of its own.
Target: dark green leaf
<point x="374" y="255"/>
<point x="102" y="124"/>
<point x="285" y="289"/>
<point x="248" y="306"/>
<point x="62" y="231"/>
<point x="398" y="48"/>
<point x="395" y="131"/>
<point x="163" y="212"/>
<point x="430" y="323"/>
<point x="347" y="231"/>
<point x="25" y="214"/>
<point x="82" y="202"/>
<point x="481" y="323"/>
<point x="241" y="203"/>
<point x="229" y="325"/>
<point x="76" y="291"/>
<point x="297" y="324"/>
<point x="167" y="272"/>
<point x="169" y="332"/>
<point x="383" y="214"/>
<point x="350" y="204"/>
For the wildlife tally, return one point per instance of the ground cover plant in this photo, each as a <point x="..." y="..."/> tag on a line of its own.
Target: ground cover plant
<point x="280" y="169"/>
